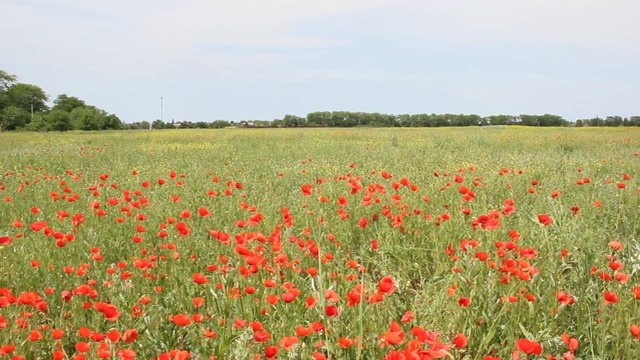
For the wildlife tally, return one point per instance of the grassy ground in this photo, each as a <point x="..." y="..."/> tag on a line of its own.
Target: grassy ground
<point x="463" y="243"/>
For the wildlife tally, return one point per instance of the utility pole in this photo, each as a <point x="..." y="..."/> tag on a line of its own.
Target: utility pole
<point x="161" y="112"/>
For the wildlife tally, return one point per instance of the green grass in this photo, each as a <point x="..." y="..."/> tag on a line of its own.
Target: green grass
<point x="417" y="217"/>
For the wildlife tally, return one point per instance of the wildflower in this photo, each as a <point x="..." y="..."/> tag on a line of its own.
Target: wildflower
<point x="387" y="285"/>
<point x="261" y="336"/>
<point x="545" y="219"/>
<point x="180" y="320"/>
<point x="459" y="341"/>
<point x="529" y="346"/>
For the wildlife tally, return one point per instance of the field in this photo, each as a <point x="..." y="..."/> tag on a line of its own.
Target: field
<point x="457" y="243"/>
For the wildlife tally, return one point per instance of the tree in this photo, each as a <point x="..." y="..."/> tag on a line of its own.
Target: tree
<point x="39" y="122"/>
<point x="12" y="117"/>
<point x="158" y="124"/>
<point x="6" y="81"/>
<point x="292" y="120"/>
<point x="67" y="103"/>
<point x="59" y="120"/>
<point x="112" y="122"/>
<point x="613" y="121"/>
<point x="86" y="118"/>
<point x="27" y="97"/>
<point x="318" y="118"/>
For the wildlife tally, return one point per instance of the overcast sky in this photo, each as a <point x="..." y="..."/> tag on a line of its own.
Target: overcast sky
<point x="262" y="59"/>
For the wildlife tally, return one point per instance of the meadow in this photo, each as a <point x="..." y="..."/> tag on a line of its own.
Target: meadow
<point x="454" y="243"/>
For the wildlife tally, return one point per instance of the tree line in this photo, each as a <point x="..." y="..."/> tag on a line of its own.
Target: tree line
<point x="24" y="107"/>
<point x="353" y="119"/>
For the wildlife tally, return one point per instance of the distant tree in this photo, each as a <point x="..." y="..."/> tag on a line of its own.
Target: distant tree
<point x="613" y="121"/>
<point x="596" y="121"/>
<point x="39" y="123"/>
<point x="112" y="122"/>
<point x="87" y="118"/>
<point x="293" y="120"/>
<point x="27" y="97"/>
<point x="59" y="120"/>
<point x="13" y="117"/>
<point x="405" y="120"/>
<point x="318" y="118"/>
<point x="473" y="119"/>
<point x="501" y="119"/>
<point x="200" y="125"/>
<point x="158" y="124"/>
<point x="6" y="81"/>
<point x="67" y="103"/>
<point x="219" y="124"/>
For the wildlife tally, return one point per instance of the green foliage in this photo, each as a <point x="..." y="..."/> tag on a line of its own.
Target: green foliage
<point x="20" y="103"/>
<point x="40" y="122"/>
<point x="13" y="117"/>
<point x="90" y="118"/>
<point x="59" y="120"/>
<point x="67" y="103"/>
<point x="158" y="124"/>
<point x="27" y="97"/>
<point x="112" y="122"/>
<point x="6" y="80"/>
<point x="219" y="124"/>
<point x="86" y="118"/>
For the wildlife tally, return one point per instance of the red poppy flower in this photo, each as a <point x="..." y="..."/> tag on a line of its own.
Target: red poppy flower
<point x="180" y="320"/>
<point x="83" y="346"/>
<point x="199" y="278"/>
<point x="408" y="316"/>
<point x="35" y="335"/>
<point x="387" y="285"/>
<point x="565" y="298"/>
<point x="331" y="310"/>
<point x="529" y="346"/>
<point x="610" y="297"/>
<point x="271" y="351"/>
<point x="459" y="341"/>
<point x="571" y="342"/>
<point x="288" y="342"/>
<point x="307" y="189"/>
<point x="57" y="334"/>
<point x="615" y="245"/>
<point x="261" y="336"/>
<point x="345" y="342"/>
<point x="545" y="219"/>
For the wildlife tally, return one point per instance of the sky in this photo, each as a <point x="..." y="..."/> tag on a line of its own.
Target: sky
<point x="261" y="59"/>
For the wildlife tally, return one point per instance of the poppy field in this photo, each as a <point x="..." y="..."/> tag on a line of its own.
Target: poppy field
<point x="440" y="243"/>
